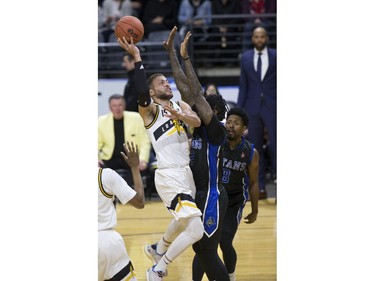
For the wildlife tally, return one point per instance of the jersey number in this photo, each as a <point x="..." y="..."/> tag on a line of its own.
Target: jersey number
<point x="226" y="176"/>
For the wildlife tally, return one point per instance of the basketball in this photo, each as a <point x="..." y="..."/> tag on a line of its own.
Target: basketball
<point x="129" y="26"/>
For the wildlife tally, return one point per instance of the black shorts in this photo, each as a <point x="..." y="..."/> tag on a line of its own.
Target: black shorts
<point x="232" y="218"/>
<point x="211" y="243"/>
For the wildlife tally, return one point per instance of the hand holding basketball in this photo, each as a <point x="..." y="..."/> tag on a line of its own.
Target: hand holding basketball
<point x="129" y="47"/>
<point x="129" y="26"/>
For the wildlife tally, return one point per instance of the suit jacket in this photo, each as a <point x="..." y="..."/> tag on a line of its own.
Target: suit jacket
<point x="134" y="130"/>
<point x="252" y="91"/>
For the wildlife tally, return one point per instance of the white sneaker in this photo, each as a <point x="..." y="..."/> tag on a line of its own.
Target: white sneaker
<point x="152" y="275"/>
<point x="150" y="251"/>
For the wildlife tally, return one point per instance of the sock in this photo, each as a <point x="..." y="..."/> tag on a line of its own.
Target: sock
<point x="232" y="276"/>
<point x="192" y="233"/>
<point x="174" y="228"/>
<point x="162" y="246"/>
<point x="162" y="264"/>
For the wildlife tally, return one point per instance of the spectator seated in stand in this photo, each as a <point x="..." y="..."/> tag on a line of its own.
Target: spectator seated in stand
<point x="225" y="28"/>
<point x="159" y="15"/>
<point x="256" y="7"/>
<point x="112" y="11"/>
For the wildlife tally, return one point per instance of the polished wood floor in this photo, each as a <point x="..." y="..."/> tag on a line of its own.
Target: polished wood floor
<point x="255" y="244"/>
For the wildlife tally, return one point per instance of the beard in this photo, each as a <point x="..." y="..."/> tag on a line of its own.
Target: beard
<point x="231" y="137"/>
<point x="165" y="95"/>
<point x="260" y="46"/>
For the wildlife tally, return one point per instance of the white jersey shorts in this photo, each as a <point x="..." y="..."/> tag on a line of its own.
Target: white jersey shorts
<point x="176" y="188"/>
<point x="112" y="255"/>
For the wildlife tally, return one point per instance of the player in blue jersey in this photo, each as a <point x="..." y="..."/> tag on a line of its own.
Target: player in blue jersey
<point x="240" y="178"/>
<point x="205" y="162"/>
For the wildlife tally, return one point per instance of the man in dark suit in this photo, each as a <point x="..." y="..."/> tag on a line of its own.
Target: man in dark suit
<point x="257" y="95"/>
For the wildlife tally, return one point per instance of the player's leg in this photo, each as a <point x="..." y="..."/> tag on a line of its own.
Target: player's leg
<point x="155" y="251"/>
<point x="256" y="136"/>
<point x="197" y="267"/>
<point x="187" y="228"/>
<point x="192" y="232"/>
<point x="230" y="225"/>
<point x="206" y="248"/>
<point x="269" y="119"/>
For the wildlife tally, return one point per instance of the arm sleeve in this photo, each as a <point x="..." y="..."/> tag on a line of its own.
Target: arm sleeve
<point x="141" y="86"/>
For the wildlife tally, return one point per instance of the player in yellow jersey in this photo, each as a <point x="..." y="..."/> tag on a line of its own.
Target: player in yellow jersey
<point x="166" y="122"/>
<point x="113" y="260"/>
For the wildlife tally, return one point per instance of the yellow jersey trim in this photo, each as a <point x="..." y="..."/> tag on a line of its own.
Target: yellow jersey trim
<point x="155" y="118"/>
<point x="106" y="194"/>
<point x="187" y="204"/>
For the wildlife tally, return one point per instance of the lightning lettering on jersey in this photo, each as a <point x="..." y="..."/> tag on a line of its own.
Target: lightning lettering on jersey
<point x="177" y="125"/>
<point x="164" y="128"/>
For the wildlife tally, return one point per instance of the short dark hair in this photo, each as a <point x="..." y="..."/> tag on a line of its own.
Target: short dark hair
<point x="152" y="78"/>
<point x="115" y="97"/>
<point x="241" y="113"/>
<point x="259" y="26"/>
<point x="218" y="103"/>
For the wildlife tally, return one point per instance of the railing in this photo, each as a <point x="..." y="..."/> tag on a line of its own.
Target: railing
<point x="205" y="49"/>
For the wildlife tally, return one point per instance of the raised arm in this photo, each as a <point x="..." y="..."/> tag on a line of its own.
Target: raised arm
<point x="145" y="106"/>
<point x="177" y="72"/>
<point x="204" y="109"/>
<point x="252" y="171"/>
<point x="132" y="158"/>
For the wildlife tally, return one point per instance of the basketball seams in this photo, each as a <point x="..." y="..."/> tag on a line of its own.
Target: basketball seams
<point x="126" y="23"/>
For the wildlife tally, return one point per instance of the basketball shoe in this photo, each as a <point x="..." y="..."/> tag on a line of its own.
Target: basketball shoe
<point x="150" y="251"/>
<point x="152" y="275"/>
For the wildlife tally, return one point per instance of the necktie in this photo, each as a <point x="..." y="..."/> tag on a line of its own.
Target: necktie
<point x="259" y="66"/>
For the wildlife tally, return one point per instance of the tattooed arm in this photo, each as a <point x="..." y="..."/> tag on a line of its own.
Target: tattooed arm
<point x="178" y="74"/>
<point x="196" y="94"/>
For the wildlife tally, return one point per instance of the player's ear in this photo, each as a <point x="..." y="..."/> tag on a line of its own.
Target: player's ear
<point x="151" y="92"/>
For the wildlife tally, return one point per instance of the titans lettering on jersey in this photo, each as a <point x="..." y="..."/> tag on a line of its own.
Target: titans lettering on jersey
<point x="235" y="162"/>
<point x="234" y="165"/>
<point x="196" y="144"/>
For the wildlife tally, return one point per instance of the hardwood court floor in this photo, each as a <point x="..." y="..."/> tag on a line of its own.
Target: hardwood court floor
<point x="255" y="243"/>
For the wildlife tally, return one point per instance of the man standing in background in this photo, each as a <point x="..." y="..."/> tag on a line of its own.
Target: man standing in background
<point x="257" y="95"/>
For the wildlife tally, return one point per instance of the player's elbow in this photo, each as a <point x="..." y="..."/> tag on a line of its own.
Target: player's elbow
<point x="140" y="203"/>
<point x="197" y="123"/>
